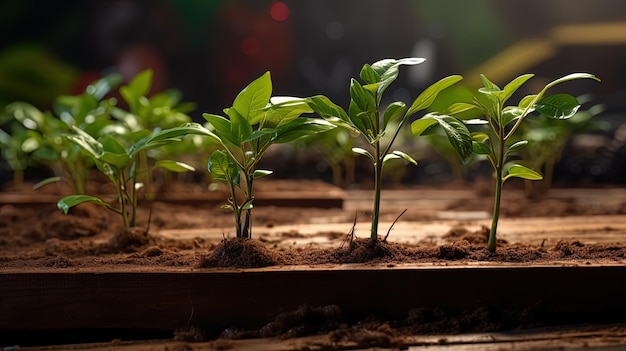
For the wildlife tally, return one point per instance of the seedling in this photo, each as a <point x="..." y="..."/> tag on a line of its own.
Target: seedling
<point x="119" y="163"/>
<point x="364" y="118"/>
<point x="255" y="122"/>
<point x="497" y="142"/>
<point x="38" y="135"/>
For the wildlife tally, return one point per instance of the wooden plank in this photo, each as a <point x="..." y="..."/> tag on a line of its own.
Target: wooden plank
<point x="251" y="298"/>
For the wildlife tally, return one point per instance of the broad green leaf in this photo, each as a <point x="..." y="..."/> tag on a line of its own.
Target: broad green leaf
<point x="558" y="106"/>
<point x="327" y="109"/>
<point x="368" y="75"/>
<point x="387" y="70"/>
<point x="240" y="128"/>
<point x="299" y="128"/>
<point x="284" y="109"/>
<point x="480" y="148"/>
<point x="174" y="166"/>
<point x="461" y="107"/>
<point x="527" y="101"/>
<point x="28" y="115"/>
<point x="223" y="168"/>
<point x="519" y="171"/>
<point x="261" y="173"/>
<point x="418" y="127"/>
<point x="393" y="112"/>
<point x="390" y="157"/>
<point x="512" y="87"/>
<point x="360" y="151"/>
<point x="254" y="97"/>
<point x="222" y="127"/>
<point x="427" y="97"/>
<point x="167" y="136"/>
<point x="457" y="133"/>
<point x="70" y="201"/>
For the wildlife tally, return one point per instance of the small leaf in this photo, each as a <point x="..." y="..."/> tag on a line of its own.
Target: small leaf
<point x="223" y="168"/>
<point x="512" y="87"/>
<point x="558" y="106"/>
<point x="387" y="70"/>
<point x="358" y="150"/>
<point x="461" y="107"/>
<point x="517" y="146"/>
<point x="427" y="97"/>
<point x="393" y="112"/>
<point x="405" y="156"/>
<point x="519" y="171"/>
<point x="480" y="148"/>
<point x="261" y="173"/>
<point x="70" y="201"/>
<point x="174" y="166"/>
<point x="369" y="75"/>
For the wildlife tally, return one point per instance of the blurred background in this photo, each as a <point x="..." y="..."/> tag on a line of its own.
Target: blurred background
<point x="210" y="50"/>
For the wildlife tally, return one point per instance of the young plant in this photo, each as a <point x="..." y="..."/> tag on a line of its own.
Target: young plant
<point x="364" y="117"/>
<point x="42" y="131"/>
<point x="497" y="143"/>
<point x="119" y="163"/>
<point x="255" y="122"/>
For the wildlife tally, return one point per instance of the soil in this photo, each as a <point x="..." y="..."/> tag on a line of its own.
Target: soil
<point x="41" y="237"/>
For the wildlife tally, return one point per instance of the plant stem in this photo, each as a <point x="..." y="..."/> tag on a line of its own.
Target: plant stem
<point x="378" y="180"/>
<point x="122" y="198"/>
<point x="236" y="210"/>
<point x="499" y="165"/>
<point x="247" y="225"/>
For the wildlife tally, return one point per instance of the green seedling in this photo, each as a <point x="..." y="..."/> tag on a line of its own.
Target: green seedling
<point x="364" y="118"/>
<point x="161" y="110"/>
<point x="497" y="141"/>
<point x="254" y="123"/>
<point x="118" y="162"/>
<point x="38" y="134"/>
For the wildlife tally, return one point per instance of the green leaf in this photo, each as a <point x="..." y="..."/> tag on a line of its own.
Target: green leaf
<point x="405" y="156"/>
<point x="369" y="75"/>
<point x="138" y="87"/>
<point x="393" y="112"/>
<point x="460" y="107"/>
<point x="519" y="171"/>
<point x="568" y="78"/>
<point x="517" y="146"/>
<point x="558" y="106"/>
<point x="223" y="168"/>
<point x="284" y="109"/>
<point x="104" y="85"/>
<point x="70" y="201"/>
<point x="427" y="97"/>
<point x="512" y="87"/>
<point x="360" y="151"/>
<point x="480" y="148"/>
<point x="418" y="127"/>
<point x="254" y="97"/>
<point x="174" y="166"/>
<point x="457" y="133"/>
<point x="387" y="70"/>
<point x="240" y="129"/>
<point x="261" y="173"/>
<point x="299" y="128"/>
<point x="326" y="109"/>
<point x="488" y="84"/>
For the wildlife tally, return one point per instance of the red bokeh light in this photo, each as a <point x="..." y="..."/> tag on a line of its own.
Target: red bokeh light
<point x="279" y="11"/>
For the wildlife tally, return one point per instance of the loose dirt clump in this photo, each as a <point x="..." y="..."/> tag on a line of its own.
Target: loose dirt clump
<point x="241" y="253"/>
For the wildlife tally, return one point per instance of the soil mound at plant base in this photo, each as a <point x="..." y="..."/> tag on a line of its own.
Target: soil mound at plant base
<point x="241" y="253"/>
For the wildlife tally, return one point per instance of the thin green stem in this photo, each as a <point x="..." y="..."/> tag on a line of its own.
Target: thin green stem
<point x="121" y="189"/>
<point x="378" y="179"/>
<point x="247" y="225"/>
<point x="499" y="165"/>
